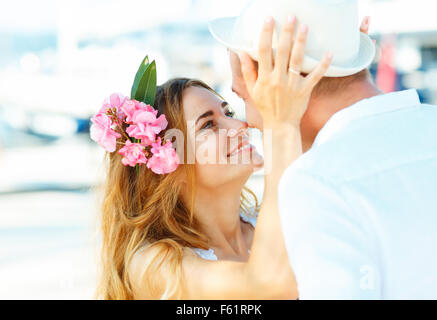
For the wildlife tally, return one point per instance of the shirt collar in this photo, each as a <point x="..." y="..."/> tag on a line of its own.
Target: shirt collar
<point x="365" y="108"/>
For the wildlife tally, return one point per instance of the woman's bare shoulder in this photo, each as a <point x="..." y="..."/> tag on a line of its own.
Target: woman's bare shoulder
<point x="143" y="264"/>
<point x="154" y="268"/>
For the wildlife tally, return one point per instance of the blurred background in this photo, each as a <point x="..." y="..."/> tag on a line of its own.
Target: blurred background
<point x="60" y="59"/>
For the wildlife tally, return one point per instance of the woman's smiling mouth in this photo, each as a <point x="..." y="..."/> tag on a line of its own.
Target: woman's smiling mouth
<point x="240" y="148"/>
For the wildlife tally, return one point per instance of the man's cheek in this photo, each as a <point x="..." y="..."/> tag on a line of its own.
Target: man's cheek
<point x="253" y="117"/>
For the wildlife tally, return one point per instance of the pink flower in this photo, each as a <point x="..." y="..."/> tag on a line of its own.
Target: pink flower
<point x="145" y="131"/>
<point x="164" y="159"/>
<point x="138" y="112"/>
<point x="133" y="154"/>
<point x="160" y="123"/>
<point x="101" y="132"/>
<point x="116" y="100"/>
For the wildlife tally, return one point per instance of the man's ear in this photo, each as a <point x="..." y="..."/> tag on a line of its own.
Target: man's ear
<point x="249" y="69"/>
<point x="235" y="64"/>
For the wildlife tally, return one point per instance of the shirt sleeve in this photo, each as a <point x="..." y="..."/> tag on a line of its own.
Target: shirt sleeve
<point x="328" y="242"/>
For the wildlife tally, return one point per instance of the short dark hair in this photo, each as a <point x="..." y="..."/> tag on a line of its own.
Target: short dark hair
<point x="336" y="84"/>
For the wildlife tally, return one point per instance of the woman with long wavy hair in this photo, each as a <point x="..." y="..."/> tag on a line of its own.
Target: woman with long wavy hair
<point x="190" y="234"/>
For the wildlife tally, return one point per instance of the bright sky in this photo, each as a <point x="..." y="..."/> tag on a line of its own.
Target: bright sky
<point x="109" y="16"/>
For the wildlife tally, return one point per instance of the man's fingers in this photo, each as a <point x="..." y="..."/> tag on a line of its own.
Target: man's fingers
<point x="317" y="74"/>
<point x="249" y="70"/>
<point x="265" y="54"/>
<point x="365" y="25"/>
<point x="364" y="28"/>
<point x="285" y="44"/>
<point x="298" y="52"/>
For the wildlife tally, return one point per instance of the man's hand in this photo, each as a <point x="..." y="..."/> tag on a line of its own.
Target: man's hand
<point x="279" y="91"/>
<point x="364" y="28"/>
<point x="253" y="117"/>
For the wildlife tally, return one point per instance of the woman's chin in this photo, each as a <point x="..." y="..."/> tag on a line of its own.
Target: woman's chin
<point x="258" y="164"/>
<point x="256" y="161"/>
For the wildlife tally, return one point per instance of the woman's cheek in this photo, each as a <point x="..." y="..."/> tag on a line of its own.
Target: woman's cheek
<point x="207" y="148"/>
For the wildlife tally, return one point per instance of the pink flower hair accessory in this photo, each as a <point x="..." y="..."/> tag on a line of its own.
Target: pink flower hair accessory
<point x="133" y="154"/>
<point x="141" y="134"/>
<point x="135" y="124"/>
<point x="164" y="159"/>
<point x="102" y="132"/>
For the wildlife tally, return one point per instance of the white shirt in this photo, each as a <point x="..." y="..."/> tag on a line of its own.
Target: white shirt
<point x="359" y="210"/>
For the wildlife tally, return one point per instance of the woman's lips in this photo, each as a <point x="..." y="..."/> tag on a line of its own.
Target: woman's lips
<point x="242" y="146"/>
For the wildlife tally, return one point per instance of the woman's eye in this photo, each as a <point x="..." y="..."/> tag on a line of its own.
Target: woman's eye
<point x="208" y="124"/>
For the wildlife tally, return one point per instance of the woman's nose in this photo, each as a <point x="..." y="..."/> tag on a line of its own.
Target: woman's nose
<point x="239" y="128"/>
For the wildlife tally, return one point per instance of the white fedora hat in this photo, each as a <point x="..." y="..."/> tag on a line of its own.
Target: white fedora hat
<point x="333" y="26"/>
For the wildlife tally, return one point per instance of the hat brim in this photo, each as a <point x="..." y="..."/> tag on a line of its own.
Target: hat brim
<point x="222" y="30"/>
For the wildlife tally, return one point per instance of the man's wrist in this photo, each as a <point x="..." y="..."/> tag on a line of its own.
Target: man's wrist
<point x="282" y="129"/>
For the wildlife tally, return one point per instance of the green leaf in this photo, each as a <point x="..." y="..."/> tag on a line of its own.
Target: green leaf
<point x="144" y="88"/>
<point x="147" y="86"/>
<point x="143" y="67"/>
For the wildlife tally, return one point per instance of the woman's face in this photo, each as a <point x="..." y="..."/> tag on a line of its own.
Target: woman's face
<point x="221" y="142"/>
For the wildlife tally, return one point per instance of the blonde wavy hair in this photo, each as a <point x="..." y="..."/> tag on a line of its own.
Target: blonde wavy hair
<point x="148" y="208"/>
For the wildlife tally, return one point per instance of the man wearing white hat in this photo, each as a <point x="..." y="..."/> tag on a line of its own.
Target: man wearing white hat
<point x="359" y="208"/>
